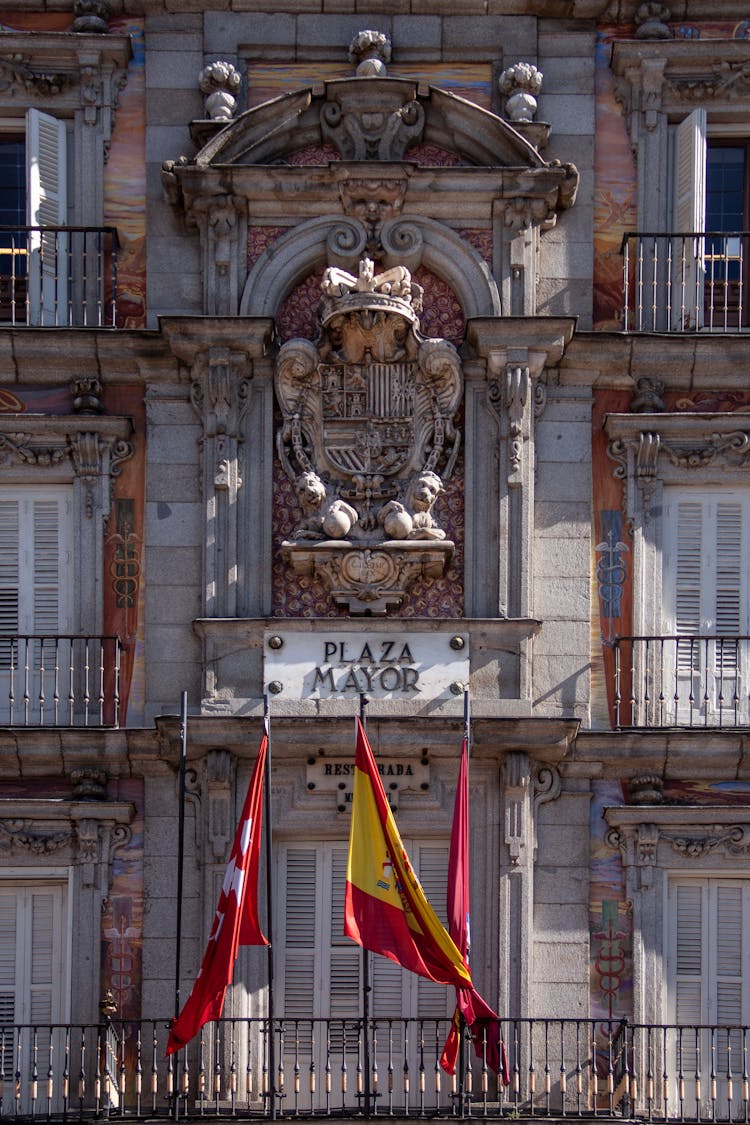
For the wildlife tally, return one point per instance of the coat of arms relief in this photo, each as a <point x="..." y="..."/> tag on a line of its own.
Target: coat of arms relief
<point x="369" y="439"/>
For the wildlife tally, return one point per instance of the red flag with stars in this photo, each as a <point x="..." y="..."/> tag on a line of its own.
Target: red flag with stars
<point x="236" y="920"/>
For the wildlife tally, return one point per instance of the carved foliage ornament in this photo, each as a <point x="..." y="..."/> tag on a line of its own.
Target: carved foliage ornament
<point x="368" y="437"/>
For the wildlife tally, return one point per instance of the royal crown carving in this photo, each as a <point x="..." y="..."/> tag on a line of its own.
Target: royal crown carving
<point x="369" y="438"/>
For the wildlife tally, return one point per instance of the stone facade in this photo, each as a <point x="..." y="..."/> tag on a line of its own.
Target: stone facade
<point x="367" y="423"/>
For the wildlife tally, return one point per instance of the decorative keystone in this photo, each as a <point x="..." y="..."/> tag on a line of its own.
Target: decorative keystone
<point x="646" y="789"/>
<point x="520" y="84"/>
<point x="370" y="51"/>
<point x="91" y="15"/>
<point x="651" y="21"/>
<point x="220" y="81"/>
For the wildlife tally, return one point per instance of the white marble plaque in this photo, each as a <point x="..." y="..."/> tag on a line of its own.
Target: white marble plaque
<point x="333" y="665"/>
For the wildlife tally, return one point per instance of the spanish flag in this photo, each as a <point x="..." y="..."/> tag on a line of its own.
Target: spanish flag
<point x="385" y="909"/>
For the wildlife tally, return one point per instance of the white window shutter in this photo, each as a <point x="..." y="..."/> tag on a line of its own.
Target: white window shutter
<point x="346" y="957"/>
<point x="9" y="565"/>
<point x="689" y="952"/>
<point x="299" y="882"/>
<point x="689" y="215"/>
<point x="690" y="173"/>
<point x="434" y="1000"/>
<point x="688" y="566"/>
<point x="47" y="205"/>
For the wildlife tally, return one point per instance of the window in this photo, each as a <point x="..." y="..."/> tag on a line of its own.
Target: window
<point x="708" y="982"/>
<point x="33" y="193"/>
<point x="321" y="976"/>
<point x="35" y="560"/>
<point x="35" y="600"/>
<point x="711" y="195"/>
<point x="33" y="976"/>
<point x="705" y="587"/>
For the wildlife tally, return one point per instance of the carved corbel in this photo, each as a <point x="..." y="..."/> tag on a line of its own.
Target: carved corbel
<point x="647" y="456"/>
<point x="547" y="787"/>
<point x="219" y="772"/>
<point x="638" y="846"/>
<point x="516" y="799"/>
<point x="88" y="849"/>
<point x="89" y="453"/>
<point x="652" y="86"/>
<point x="516" y="395"/>
<point x="220" y="220"/>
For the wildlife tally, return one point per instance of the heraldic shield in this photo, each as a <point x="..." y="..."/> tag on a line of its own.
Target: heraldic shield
<point x="368" y="437"/>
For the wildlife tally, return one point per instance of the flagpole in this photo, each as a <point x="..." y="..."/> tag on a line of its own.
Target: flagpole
<point x="180" y="867"/>
<point x="462" y="1021"/>
<point x="180" y="848"/>
<point x="363" y="701"/>
<point x="269" y="919"/>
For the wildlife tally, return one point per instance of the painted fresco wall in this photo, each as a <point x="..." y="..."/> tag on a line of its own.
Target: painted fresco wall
<point x="610" y="921"/>
<point x="614" y="167"/>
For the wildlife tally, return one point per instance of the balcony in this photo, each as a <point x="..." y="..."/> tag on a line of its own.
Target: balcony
<point x="685" y="681"/>
<point x="694" y="282"/>
<point x="60" y="681"/>
<point x="60" y="277"/>
<point x="328" y="1068"/>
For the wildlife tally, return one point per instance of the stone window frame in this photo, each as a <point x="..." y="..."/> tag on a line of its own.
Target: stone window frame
<point x="653" y="451"/>
<point x="74" y="842"/>
<point x="78" y="78"/>
<point x="657" y="843"/>
<point x="659" y="83"/>
<point x="85" y="452"/>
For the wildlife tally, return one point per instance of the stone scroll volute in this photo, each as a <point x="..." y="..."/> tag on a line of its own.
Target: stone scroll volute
<point x="369" y="438"/>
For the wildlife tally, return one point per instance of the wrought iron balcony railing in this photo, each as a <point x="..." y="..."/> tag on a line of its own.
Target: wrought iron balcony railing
<point x="71" y="681"/>
<point x="235" y="1068"/>
<point x="685" y="681"/>
<point x="63" y="277"/>
<point x="692" y="282"/>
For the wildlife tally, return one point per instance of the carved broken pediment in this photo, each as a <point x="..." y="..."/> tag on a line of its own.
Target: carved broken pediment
<point x="368" y="437"/>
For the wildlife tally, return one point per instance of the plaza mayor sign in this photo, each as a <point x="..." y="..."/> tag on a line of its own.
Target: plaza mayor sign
<point x="336" y="665"/>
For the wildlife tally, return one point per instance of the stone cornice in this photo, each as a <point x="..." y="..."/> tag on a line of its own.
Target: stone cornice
<point x="49" y="357"/>
<point x="675" y="755"/>
<point x="547" y="741"/>
<point x="500" y="340"/>
<point x="188" y="337"/>
<point x="686" y="363"/>
<point x="675" y="75"/>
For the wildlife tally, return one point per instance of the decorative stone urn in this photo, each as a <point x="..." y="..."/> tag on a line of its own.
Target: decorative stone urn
<point x="520" y="84"/>
<point x="220" y="81"/>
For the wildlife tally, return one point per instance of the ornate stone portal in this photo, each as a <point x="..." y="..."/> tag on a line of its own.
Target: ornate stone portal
<point x="368" y="438"/>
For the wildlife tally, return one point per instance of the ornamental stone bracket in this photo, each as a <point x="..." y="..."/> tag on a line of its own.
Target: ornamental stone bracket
<point x="368" y="437"/>
<point x="84" y="833"/>
<point x="93" y="446"/>
<point x="662" y="77"/>
<point x="649" y="449"/>
<point x="82" y="73"/>
<point x="365" y="580"/>
<point x="679" y="837"/>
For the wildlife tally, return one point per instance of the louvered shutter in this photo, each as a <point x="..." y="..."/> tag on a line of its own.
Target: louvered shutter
<point x="346" y="959"/>
<point x="35" y="572"/>
<point x="689" y="215"/>
<point x="434" y="1000"/>
<point x="707" y="537"/>
<point x="300" y="931"/>
<point x="9" y="574"/>
<point x="708" y="965"/>
<point x="46" y="146"/>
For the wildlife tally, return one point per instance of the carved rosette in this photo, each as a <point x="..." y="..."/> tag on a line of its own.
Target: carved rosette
<point x="368" y="438"/>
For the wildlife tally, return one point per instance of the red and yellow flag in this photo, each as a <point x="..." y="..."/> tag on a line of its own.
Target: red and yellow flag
<point x="385" y="908"/>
